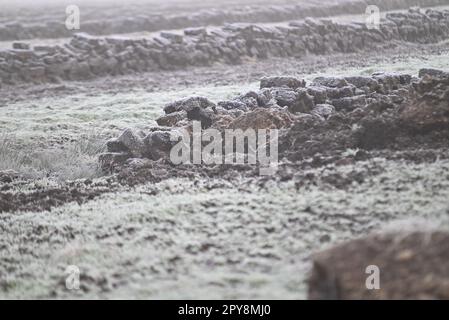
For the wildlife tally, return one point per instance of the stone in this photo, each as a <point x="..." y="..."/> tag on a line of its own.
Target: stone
<point x="323" y="110"/>
<point x="331" y="82"/>
<point x="349" y="103"/>
<point x="132" y="142"/>
<point x="429" y="110"/>
<point x="44" y="48"/>
<point x="263" y="98"/>
<point x="363" y="81"/>
<point x="284" y="97"/>
<point x="188" y="103"/>
<point x="304" y="102"/>
<point x="232" y="105"/>
<point x="114" y="145"/>
<point x="23" y="54"/>
<point x="278" y="82"/>
<point x="172" y="119"/>
<point x="8" y="176"/>
<point x="158" y="144"/>
<point x="318" y="93"/>
<point x="176" y="38"/>
<point x="392" y="81"/>
<point x="250" y="101"/>
<point x="79" y="70"/>
<point x="336" y="93"/>
<point x="195" y="32"/>
<point x="262" y="118"/>
<point x="411" y="265"/>
<point x="432" y="72"/>
<point x="20" y="46"/>
<point x="98" y="65"/>
<point x="36" y="73"/>
<point x="295" y="100"/>
<point x="204" y="116"/>
<point x="109" y="160"/>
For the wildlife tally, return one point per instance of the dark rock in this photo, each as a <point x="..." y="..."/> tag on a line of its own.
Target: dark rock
<point x="111" y="159"/>
<point x="263" y="98"/>
<point x="132" y="142"/>
<point x="318" y="93"/>
<point x="177" y="38"/>
<point x="79" y="70"/>
<point x="114" y="145"/>
<point x="277" y="82"/>
<point x="20" y="45"/>
<point x="158" y="144"/>
<point x="233" y="104"/>
<point x="262" y="118"/>
<point x="323" y="110"/>
<point x="429" y="109"/>
<point x="296" y="101"/>
<point x="361" y="82"/>
<point x="304" y="102"/>
<point x="284" y="97"/>
<point x="349" y="103"/>
<point x="43" y="48"/>
<point x="8" y="176"/>
<point x="331" y="82"/>
<point x="172" y="119"/>
<point x="432" y="73"/>
<point x="188" y="104"/>
<point x="336" y="93"/>
<point x="23" y="54"/>
<point x="392" y="81"/>
<point x="204" y="116"/>
<point x="195" y="32"/>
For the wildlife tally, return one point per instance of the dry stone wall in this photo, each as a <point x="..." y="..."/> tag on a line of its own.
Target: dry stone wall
<point x="86" y="56"/>
<point x="126" y="22"/>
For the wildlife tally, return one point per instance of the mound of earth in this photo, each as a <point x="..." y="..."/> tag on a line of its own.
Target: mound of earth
<point x="350" y="118"/>
<point x="408" y="266"/>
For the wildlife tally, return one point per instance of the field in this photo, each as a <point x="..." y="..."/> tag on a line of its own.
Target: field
<point x="148" y="230"/>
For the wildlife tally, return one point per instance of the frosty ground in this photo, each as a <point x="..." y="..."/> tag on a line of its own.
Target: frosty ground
<point x="245" y="237"/>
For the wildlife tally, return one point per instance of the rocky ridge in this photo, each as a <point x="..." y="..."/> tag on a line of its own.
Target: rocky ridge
<point x="316" y="121"/>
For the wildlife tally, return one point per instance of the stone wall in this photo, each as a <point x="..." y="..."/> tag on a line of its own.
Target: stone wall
<point x="86" y="57"/>
<point x="126" y="23"/>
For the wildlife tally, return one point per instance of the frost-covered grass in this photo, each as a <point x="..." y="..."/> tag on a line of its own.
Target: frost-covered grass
<point x="211" y="239"/>
<point x="72" y="115"/>
<point x="400" y="64"/>
<point x="75" y="160"/>
<point x="410" y="65"/>
<point x="61" y="137"/>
